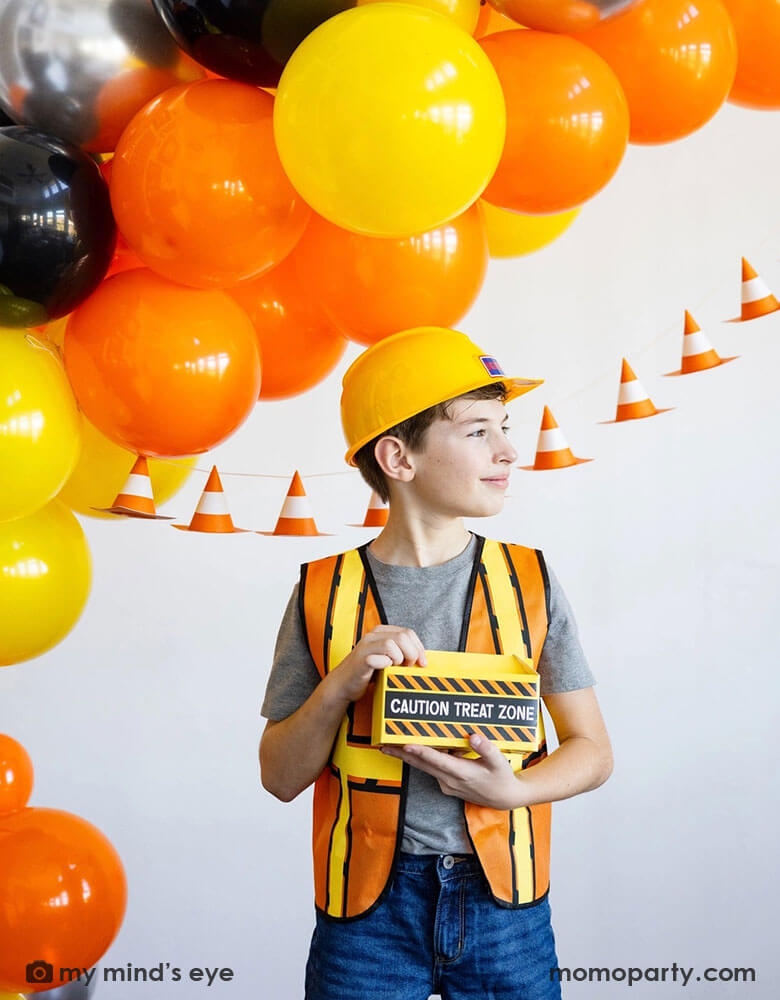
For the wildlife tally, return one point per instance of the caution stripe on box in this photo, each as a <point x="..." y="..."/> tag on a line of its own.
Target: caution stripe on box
<point x="458" y="685"/>
<point x="412" y="728"/>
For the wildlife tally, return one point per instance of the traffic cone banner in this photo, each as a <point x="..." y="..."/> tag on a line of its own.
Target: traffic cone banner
<point x="698" y="354"/>
<point x="757" y="300"/>
<point x="211" y="515"/>
<point x="136" y="498"/>
<point x="633" y="401"/>
<point x="296" y="516"/>
<point x="552" y="449"/>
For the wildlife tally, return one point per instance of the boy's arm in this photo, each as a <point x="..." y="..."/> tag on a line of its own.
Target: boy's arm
<point x="581" y="762"/>
<point x="294" y="750"/>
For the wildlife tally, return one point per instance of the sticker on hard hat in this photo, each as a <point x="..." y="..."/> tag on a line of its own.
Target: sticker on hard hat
<point x="492" y="367"/>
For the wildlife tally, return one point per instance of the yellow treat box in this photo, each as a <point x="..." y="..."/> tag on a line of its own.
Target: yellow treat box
<point x="457" y="694"/>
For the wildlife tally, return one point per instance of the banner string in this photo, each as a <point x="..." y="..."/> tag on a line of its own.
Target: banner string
<point x="42" y="344"/>
<point x="580" y="391"/>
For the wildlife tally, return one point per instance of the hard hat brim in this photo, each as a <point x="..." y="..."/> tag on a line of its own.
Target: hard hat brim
<point x="514" y="387"/>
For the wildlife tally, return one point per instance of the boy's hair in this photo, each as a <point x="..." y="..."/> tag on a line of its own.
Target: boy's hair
<point x="412" y="432"/>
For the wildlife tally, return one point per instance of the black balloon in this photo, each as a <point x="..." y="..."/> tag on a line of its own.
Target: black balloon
<point x="57" y="233"/>
<point x="246" y="40"/>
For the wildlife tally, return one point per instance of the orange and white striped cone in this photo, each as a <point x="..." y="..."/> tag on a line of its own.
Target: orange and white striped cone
<point x="296" y="516"/>
<point x="757" y="300"/>
<point x="552" y="449"/>
<point x="633" y="401"/>
<point x="376" y="513"/>
<point x="211" y="515"/>
<point x="698" y="354"/>
<point x="136" y="498"/>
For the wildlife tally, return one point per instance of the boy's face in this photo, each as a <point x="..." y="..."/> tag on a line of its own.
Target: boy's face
<point x="464" y="466"/>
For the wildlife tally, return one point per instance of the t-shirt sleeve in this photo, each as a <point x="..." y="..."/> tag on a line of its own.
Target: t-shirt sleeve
<point x="562" y="664"/>
<point x="294" y="675"/>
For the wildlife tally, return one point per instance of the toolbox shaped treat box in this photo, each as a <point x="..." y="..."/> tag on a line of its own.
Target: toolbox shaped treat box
<point x="455" y="695"/>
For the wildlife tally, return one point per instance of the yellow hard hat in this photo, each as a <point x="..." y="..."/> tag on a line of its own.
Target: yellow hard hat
<point x="407" y="372"/>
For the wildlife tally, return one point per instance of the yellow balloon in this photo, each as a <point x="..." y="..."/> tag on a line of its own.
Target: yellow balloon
<point x="103" y="468"/>
<point x="40" y="426"/>
<point x="389" y="119"/>
<point x="512" y="234"/>
<point x="12" y="996"/>
<point x="464" y="13"/>
<point x="45" y="573"/>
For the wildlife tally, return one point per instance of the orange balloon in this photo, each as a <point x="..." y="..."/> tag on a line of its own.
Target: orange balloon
<point x="372" y="287"/>
<point x="161" y="369"/>
<point x="757" y="27"/>
<point x="16" y="777"/>
<point x="298" y="344"/>
<point x="554" y="15"/>
<point x="123" y="95"/>
<point x="490" y="21"/>
<point x="675" y="60"/>
<point x="64" y="895"/>
<point x="124" y="259"/>
<point x="197" y="187"/>
<point x="567" y="122"/>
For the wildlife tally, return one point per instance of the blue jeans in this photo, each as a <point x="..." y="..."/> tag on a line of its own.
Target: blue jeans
<point x="438" y="930"/>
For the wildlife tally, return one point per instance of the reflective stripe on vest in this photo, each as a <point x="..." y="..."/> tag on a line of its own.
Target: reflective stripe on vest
<point x="360" y="796"/>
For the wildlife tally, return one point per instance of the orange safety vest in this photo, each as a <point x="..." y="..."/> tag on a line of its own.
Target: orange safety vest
<point x="360" y="796"/>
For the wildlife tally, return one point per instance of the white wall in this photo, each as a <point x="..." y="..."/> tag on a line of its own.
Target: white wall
<point x="145" y="720"/>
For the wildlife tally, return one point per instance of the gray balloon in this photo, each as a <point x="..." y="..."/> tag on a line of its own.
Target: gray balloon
<point x="77" y="990"/>
<point x="80" y="69"/>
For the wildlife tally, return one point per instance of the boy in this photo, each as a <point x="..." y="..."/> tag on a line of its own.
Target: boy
<point x="430" y="868"/>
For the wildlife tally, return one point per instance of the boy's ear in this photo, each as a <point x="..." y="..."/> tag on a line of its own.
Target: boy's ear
<point x="392" y="458"/>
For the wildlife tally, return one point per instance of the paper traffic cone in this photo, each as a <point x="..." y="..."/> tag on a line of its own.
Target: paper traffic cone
<point x="698" y="354"/>
<point x="552" y="449"/>
<point x="376" y="513"/>
<point x="296" y="517"/>
<point x="757" y="300"/>
<point x="633" y="401"/>
<point x="211" y="515"/>
<point x="136" y="499"/>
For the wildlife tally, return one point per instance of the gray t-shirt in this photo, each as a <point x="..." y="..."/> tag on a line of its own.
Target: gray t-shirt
<point x="430" y="600"/>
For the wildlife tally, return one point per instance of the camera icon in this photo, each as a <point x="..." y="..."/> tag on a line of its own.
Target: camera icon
<point x="40" y="972"/>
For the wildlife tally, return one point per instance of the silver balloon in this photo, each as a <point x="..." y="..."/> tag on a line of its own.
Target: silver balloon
<point x="77" y="990"/>
<point x="80" y="69"/>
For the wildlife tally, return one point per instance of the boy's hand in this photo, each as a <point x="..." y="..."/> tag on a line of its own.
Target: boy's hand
<point x="384" y="646"/>
<point x="487" y="781"/>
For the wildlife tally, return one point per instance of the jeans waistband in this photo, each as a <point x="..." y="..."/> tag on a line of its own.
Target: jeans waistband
<point x="443" y="864"/>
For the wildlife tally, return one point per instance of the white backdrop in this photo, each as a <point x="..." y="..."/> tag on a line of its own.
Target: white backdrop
<point x="145" y="720"/>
